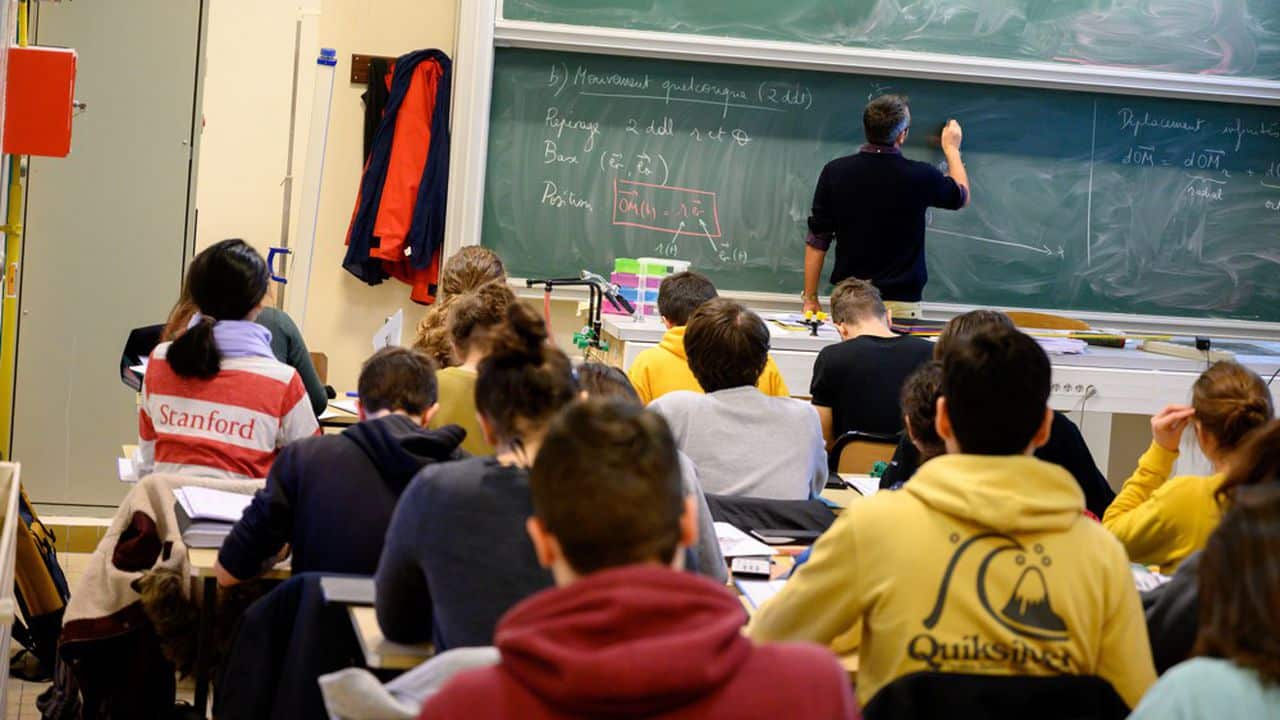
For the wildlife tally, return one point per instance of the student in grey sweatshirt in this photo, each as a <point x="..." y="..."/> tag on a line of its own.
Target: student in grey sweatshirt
<point x="742" y="441"/>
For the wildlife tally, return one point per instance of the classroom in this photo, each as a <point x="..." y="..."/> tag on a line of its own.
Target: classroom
<point x="640" y="358"/>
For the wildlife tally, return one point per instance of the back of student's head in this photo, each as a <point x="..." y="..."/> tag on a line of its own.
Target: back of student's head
<point x="1230" y="401"/>
<point x="475" y="313"/>
<point x="967" y="325"/>
<point x="599" y="380"/>
<point x="464" y="271"/>
<point x="1255" y="462"/>
<point x="397" y="378"/>
<point x="226" y="281"/>
<point x="607" y="485"/>
<point x="1239" y="579"/>
<point x="885" y="118"/>
<point x="727" y="345"/>
<point x="854" y="299"/>
<point x="996" y="385"/>
<point x="919" y="401"/>
<point x="682" y="293"/>
<point x="524" y="380"/>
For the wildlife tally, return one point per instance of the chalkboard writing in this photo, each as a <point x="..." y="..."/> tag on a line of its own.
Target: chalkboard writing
<point x="1223" y="37"/>
<point x="1080" y="201"/>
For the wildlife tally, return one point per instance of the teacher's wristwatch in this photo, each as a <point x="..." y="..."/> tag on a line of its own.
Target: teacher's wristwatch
<point x="809" y="296"/>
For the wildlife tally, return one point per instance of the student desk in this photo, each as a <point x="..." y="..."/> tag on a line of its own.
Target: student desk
<point x="1100" y="383"/>
<point x="357" y="594"/>
<point x="202" y="563"/>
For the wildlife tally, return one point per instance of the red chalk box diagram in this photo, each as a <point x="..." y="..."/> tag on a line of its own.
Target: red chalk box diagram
<point x="664" y="208"/>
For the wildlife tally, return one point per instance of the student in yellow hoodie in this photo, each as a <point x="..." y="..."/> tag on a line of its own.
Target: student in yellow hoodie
<point x="1161" y="520"/>
<point x="663" y="369"/>
<point x="1000" y="574"/>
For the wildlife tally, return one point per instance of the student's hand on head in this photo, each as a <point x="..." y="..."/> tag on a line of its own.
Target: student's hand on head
<point x="952" y="135"/>
<point x="1168" y="425"/>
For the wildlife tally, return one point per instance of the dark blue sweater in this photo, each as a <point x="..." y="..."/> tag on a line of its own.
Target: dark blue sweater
<point x="331" y="497"/>
<point x="457" y="556"/>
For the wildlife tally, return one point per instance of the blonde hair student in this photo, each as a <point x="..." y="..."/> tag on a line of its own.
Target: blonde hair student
<point x="1162" y="520"/>
<point x="464" y="271"/>
<point x="471" y="319"/>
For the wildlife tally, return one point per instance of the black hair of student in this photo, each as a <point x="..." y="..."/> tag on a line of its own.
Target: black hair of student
<point x="524" y="380"/>
<point x="967" y="325"/>
<point x="682" y="293"/>
<point x="727" y="345"/>
<point x="919" y="402"/>
<point x="398" y="378"/>
<point x="599" y="380"/>
<point x="885" y="118"/>
<point x="1239" y="584"/>
<point x="607" y="485"/>
<point x="996" y="385"/>
<point x="227" y="280"/>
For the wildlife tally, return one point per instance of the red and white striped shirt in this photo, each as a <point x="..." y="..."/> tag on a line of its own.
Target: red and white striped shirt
<point x="230" y="425"/>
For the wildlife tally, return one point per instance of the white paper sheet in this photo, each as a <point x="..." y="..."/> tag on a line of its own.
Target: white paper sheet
<point x="759" y="591"/>
<point x="389" y="334"/>
<point x="203" y="503"/>
<point x="735" y="543"/>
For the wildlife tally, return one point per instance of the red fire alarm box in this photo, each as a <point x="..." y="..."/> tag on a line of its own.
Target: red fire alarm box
<point x="38" y="98"/>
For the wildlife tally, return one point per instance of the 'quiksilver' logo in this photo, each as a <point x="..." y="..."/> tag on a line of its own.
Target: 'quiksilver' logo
<point x="1028" y="610"/>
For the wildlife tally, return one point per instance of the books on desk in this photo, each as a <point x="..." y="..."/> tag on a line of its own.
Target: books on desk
<point x="205" y="516"/>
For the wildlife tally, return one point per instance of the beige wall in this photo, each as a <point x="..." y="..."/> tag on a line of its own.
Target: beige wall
<point x="243" y="155"/>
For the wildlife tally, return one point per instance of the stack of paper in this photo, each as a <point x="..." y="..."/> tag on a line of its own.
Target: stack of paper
<point x="205" y="516"/>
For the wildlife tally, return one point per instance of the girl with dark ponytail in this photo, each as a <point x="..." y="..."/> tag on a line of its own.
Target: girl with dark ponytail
<point x="457" y="555"/>
<point x="215" y="401"/>
<point x="1161" y="520"/>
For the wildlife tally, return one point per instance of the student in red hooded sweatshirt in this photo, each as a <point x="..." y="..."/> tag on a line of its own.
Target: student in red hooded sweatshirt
<point x="627" y="633"/>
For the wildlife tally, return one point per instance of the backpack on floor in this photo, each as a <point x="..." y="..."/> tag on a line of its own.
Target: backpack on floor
<point x="42" y="593"/>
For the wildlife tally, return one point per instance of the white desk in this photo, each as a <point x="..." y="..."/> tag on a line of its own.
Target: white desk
<point x="1098" y="384"/>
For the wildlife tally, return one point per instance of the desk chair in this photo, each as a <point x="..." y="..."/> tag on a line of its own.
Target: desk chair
<point x="321" y="363"/>
<point x="857" y="452"/>
<point x="996" y="697"/>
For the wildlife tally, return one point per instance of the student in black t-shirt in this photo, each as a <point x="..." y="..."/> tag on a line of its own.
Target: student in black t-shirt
<point x="872" y="204"/>
<point x="1066" y="446"/>
<point x="856" y="382"/>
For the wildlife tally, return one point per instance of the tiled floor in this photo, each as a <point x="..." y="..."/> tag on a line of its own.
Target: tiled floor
<point x="20" y="698"/>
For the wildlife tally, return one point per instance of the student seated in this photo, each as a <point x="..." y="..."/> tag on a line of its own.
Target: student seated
<point x="1237" y="671"/>
<point x="286" y="342"/>
<point x="742" y="441"/>
<point x="658" y="371"/>
<point x="1162" y="520"/>
<point x="1066" y="446"/>
<point x="464" y="272"/>
<point x="357" y="476"/>
<point x="856" y="382"/>
<point x="597" y="380"/>
<point x="1173" y="609"/>
<point x="920" y="441"/>
<point x="625" y="633"/>
<point x="215" y="401"/>
<point x="998" y="572"/>
<point x="456" y="555"/>
<point x="471" y="317"/>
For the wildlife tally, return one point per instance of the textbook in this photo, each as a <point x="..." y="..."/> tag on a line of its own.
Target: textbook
<point x="200" y="533"/>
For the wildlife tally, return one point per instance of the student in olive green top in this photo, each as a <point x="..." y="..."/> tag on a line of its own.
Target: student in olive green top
<point x="471" y="317"/>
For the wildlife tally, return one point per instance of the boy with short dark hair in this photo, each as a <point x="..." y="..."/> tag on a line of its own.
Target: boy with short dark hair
<point x="742" y="441"/>
<point x="664" y="369"/>
<point x="856" y="382"/>
<point x="357" y="476"/>
<point x="1001" y="573"/>
<point x="625" y="633"/>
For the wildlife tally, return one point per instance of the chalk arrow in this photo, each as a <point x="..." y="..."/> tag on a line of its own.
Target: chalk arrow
<point x="708" y="234"/>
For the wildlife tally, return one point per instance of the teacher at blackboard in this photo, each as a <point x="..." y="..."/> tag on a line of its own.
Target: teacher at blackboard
<point x="872" y="205"/>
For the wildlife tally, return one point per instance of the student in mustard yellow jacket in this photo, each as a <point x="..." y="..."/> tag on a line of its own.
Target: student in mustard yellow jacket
<point x="1000" y="574"/>
<point x="1161" y="520"/>
<point x="664" y="369"/>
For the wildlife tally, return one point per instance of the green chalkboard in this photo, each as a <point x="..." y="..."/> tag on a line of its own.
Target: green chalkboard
<point x="1226" y="37"/>
<point x="1080" y="201"/>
